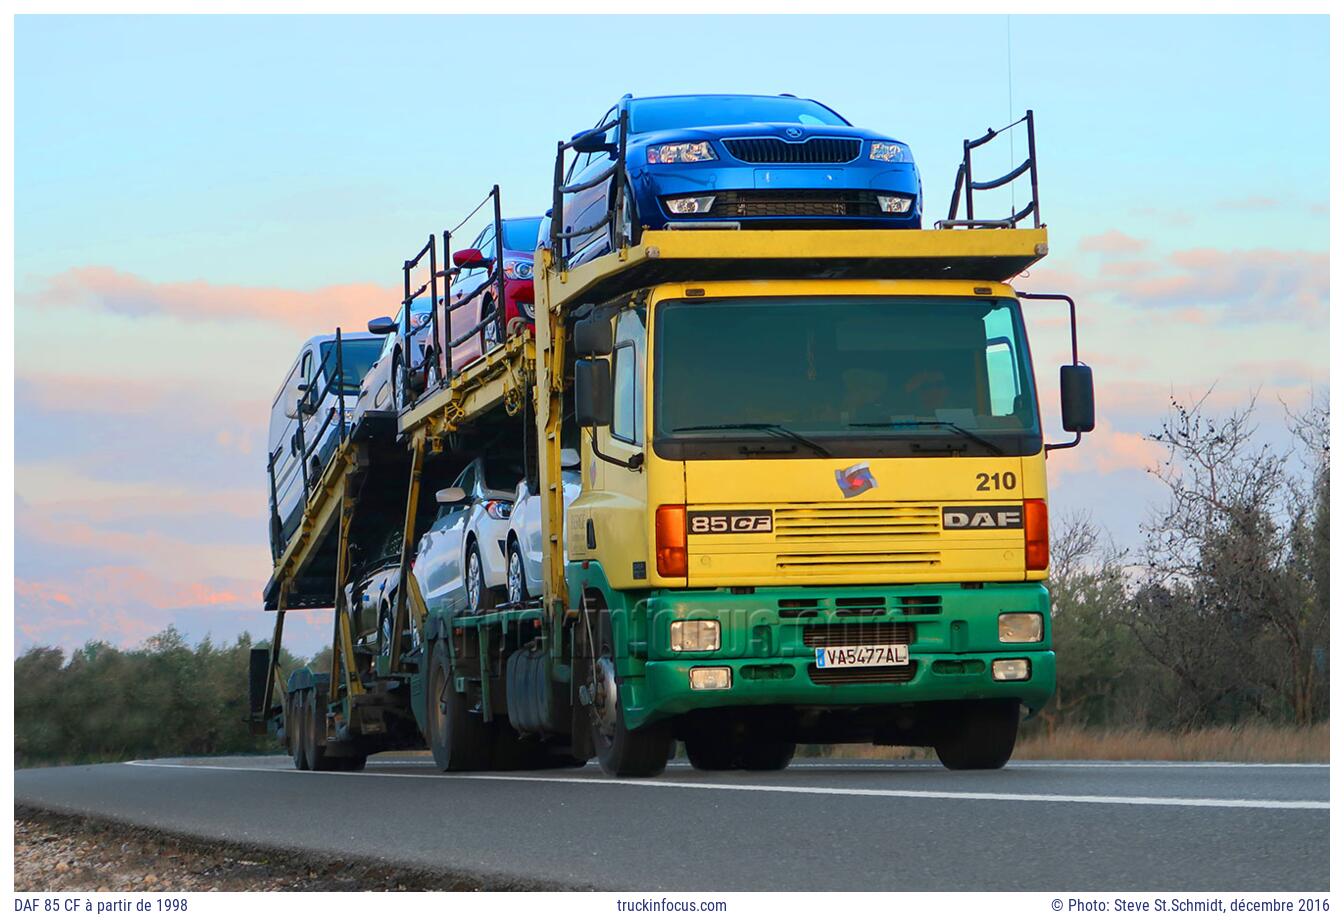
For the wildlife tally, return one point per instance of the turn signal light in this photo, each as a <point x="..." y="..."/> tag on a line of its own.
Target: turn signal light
<point x="669" y="533"/>
<point x="1036" y="520"/>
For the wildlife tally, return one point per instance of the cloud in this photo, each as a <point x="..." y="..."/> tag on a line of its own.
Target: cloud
<point x="1250" y="203"/>
<point x="1259" y="285"/>
<point x="1107" y="450"/>
<point x="1112" y="242"/>
<point x="100" y="287"/>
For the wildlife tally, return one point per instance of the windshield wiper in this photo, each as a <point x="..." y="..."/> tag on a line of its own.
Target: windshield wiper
<point x="950" y="426"/>
<point x="778" y="431"/>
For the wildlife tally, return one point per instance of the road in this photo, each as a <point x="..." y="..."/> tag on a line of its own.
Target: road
<point x="817" y="826"/>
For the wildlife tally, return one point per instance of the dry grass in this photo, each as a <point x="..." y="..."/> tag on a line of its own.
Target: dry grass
<point x="1252" y="743"/>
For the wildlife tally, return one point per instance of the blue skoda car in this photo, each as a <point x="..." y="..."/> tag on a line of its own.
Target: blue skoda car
<point x="751" y="162"/>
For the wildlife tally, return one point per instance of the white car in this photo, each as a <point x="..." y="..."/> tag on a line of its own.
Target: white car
<point x="524" y="542"/>
<point x="459" y="562"/>
<point x="383" y="390"/>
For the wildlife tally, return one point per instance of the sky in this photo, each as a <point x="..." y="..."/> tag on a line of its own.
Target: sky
<point x="195" y="196"/>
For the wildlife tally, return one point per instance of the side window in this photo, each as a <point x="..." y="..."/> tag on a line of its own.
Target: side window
<point x="627" y="376"/>
<point x="487" y="244"/>
<point x="1001" y="363"/>
<point x="467" y="481"/>
<point x="623" y="396"/>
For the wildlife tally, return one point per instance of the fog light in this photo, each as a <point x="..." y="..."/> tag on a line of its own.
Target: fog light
<point x="1021" y="627"/>
<point x="694" y="636"/>
<point x="893" y="204"/>
<point x="711" y="678"/>
<point x="696" y="204"/>
<point x="1008" y="669"/>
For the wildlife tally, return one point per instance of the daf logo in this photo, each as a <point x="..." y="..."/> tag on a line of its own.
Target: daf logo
<point x="794" y="133"/>
<point x="983" y="517"/>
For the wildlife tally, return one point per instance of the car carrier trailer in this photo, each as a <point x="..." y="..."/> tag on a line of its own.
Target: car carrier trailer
<point x="740" y="584"/>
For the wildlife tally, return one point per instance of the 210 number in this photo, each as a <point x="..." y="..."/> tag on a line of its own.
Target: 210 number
<point x="986" y="482"/>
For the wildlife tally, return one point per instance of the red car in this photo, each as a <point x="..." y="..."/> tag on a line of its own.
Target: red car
<point x="474" y="292"/>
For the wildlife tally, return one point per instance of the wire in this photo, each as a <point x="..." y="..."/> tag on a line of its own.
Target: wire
<point x="1012" y="150"/>
<point x="472" y="214"/>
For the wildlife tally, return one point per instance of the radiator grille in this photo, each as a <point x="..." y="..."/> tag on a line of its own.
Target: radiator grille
<point x="875" y="522"/>
<point x="822" y="562"/>
<point x="887" y="674"/>
<point x="823" y="634"/>
<point x="812" y="150"/>
<point x="819" y="203"/>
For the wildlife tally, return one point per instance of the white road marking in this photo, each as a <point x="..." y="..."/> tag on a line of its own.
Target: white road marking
<point x="1273" y="804"/>
<point x="933" y="765"/>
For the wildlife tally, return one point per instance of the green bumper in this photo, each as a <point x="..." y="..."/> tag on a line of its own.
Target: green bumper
<point x="768" y="639"/>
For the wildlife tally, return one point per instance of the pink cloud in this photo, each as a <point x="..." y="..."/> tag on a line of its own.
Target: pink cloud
<point x="1107" y="450"/>
<point x="1112" y="242"/>
<point x="346" y="305"/>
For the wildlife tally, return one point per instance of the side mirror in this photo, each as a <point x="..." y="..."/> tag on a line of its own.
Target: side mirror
<point x="570" y="459"/>
<point x="294" y="400"/>
<point x="592" y="393"/>
<point x="383" y="325"/>
<point x="1077" y="402"/>
<point x="470" y="258"/>
<point x="450" y="496"/>
<point x="593" y="337"/>
<point x="592" y="141"/>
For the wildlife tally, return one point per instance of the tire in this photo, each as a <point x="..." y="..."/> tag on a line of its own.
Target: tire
<point x="979" y="735"/>
<point x="480" y="596"/>
<point x="386" y="616"/>
<point x="457" y="737"/>
<point x="765" y="755"/>
<point x="622" y="751"/>
<point x="399" y="392"/>
<point x="710" y="752"/>
<point x="515" y="574"/>
<point x="315" y="733"/>
<point x="630" y="223"/>
<point x="296" y="733"/>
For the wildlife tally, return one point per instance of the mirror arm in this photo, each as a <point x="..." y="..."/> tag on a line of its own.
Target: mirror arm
<point x="1065" y="445"/>
<point x="633" y="464"/>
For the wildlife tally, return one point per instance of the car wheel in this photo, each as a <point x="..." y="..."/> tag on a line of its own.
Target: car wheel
<point x="386" y="616"/>
<point x="517" y="575"/>
<point x="398" y="383"/>
<point x="621" y="750"/>
<point x="480" y="596"/>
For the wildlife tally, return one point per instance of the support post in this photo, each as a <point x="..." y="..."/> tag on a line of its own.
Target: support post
<point x="404" y="578"/>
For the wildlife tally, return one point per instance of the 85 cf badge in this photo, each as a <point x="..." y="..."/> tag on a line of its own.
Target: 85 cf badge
<point x="729" y="522"/>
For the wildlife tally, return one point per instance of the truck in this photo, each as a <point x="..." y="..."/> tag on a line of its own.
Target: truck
<point x="813" y="508"/>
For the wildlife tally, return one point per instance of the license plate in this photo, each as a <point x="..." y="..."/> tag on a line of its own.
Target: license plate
<point x="862" y="656"/>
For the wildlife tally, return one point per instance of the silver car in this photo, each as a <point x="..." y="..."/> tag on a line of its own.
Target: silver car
<point x="524" y="547"/>
<point x="383" y="390"/>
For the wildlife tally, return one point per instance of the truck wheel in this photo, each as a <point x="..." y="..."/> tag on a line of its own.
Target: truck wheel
<point x="315" y="733"/>
<point x="766" y="755"/>
<point x="707" y="752"/>
<point x="621" y="751"/>
<point x="979" y="735"/>
<point x="295" y="733"/>
<point x="458" y="738"/>
<point x="479" y="595"/>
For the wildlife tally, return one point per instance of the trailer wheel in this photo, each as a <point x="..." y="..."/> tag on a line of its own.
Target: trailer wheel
<point x="458" y="738"/>
<point x="295" y="731"/>
<point x="315" y="733"/>
<point x="621" y="751"/>
<point x="979" y="735"/>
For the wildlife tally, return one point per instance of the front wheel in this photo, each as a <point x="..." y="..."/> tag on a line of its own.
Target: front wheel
<point x="517" y="574"/>
<point x="621" y="750"/>
<point x="480" y="596"/>
<point x="979" y="735"/>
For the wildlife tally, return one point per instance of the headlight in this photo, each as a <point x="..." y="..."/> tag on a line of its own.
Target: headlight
<point x="887" y="152"/>
<point x="698" y="152"/>
<point x="498" y="510"/>
<point x="893" y="204"/>
<point x="349" y="417"/>
<point x="1011" y="669"/>
<point x="694" y="635"/>
<point x="711" y="678"/>
<point x="695" y="204"/>
<point x="1021" y="627"/>
<point x="517" y="268"/>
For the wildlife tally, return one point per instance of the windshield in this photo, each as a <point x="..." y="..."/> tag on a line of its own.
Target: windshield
<point x="673" y="112"/>
<point x="357" y="356"/>
<point x="842" y="376"/>
<point x="521" y="233"/>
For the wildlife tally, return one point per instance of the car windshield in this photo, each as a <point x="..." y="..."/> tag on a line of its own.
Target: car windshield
<point x="503" y="475"/>
<point x="357" y="356"/>
<point x="672" y="112"/>
<point x="842" y="376"/>
<point x="520" y="233"/>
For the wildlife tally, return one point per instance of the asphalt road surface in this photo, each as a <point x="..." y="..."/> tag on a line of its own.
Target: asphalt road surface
<point x="817" y="826"/>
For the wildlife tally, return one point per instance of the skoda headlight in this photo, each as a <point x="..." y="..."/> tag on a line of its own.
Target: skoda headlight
<point x="694" y="635"/>
<point x="698" y="152"/>
<point x="889" y="152"/>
